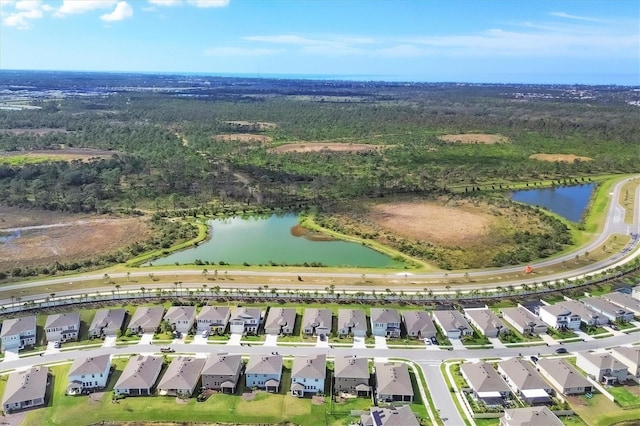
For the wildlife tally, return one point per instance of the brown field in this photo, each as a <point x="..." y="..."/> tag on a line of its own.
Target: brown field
<point x="560" y="158"/>
<point x="479" y="138"/>
<point x="42" y="238"/>
<point x="243" y="137"/>
<point x="260" y="125"/>
<point x="37" y="132"/>
<point x="67" y="154"/>
<point x="324" y="146"/>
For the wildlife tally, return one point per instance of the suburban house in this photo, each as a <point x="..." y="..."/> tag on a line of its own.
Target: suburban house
<point x="317" y="321"/>
<point x="629" y="357"/>
<point x="602" y="367"/>
<point x="453" y="324"/>
<point x="487" y="385"/>
<point x="351" y="375"/>
<point x="525" y="381"/>
<point x="18" y="333"/>
<point x="181" y="318"/>
<point x="624" y="300"/>
<point x="389" y="416"/>
<point x="523" y="320"/>
<point x="264" y="372"/>
<point x="88" y="374"/>
<point x="181" y="376"/>
<point x="308" y="374"/>
<point x="146" y="319"/>
<point x="611" y="311"/>
<point x="245" y="320"/>
<point x="486" y="321"/>
<point x="62" y="327"/>
<point x="25" y="389"/>
<point x="393" y="382"/>
<point x="107" y="322"/>
<point x="352" y="322"/>
<point x="213" y="318"/>
<point x="280" y="321"/>
<point x="587" y="315"/>
<point x="559" y="317"/>
<point x="530" y="416"/>
<point x="139" y="376"/>
<point x="221" y="372"/>
<point x="419" y="324"/>
<point x="385" y="322"/>
<point x="564" y="377"/>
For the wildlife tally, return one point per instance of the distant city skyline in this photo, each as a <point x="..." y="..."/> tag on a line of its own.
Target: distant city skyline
<point x="490" y="41"/>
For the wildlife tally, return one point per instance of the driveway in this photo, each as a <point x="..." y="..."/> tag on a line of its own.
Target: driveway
<point x="322" y="344"/>
<point x="496" y="343"/>
<point x="234" y="339"/>
<point x="548" y="339"/>
<point x="456" y="343"/>
<point x="50" y="349"/>
<point x="198" y="339"/>
<point x="380" y="342"/>
<point x="11" y="354"/>
<point x="271" y="340"/>
<point x="358" y="343"/>
<point x="584" y="336"/>
<point x="109" y="341"/>
<point x="146" y="339"/>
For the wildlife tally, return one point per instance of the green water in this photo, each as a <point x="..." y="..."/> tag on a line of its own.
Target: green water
<point x="259" y="241"/>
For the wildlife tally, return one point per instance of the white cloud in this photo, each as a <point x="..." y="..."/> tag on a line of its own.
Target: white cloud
<point x="165" y="3"/>
<point x="238" y="51"/>
<point x="575" y="17"/>
<point x="209" y="3"/>
<point x="121" y="12"/>
<point x="70" y="7"/>
<point x="20" y="20"/>
<point x="28" y="4"/>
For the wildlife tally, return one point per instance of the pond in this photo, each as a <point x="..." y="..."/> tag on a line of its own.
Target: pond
<point x="262" y="240"/>
<point x="569" y="202"/>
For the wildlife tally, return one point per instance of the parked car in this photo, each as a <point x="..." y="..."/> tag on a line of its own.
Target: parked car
<point x="427" y="341"/>
<point x="56" y="344"/>
<point x="561" y="350"/>
<point x="613" y="326"/>
<point x="167" y="349"/>
<point x="434" y="341"/>
<point x="205" y="333"/>
<point x="323" y="338"/>
<point x="534" y="358"/>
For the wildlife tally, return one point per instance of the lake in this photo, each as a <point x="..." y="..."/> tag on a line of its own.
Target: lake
<point x="260" y="240"/>
<point x="567" y="201"/>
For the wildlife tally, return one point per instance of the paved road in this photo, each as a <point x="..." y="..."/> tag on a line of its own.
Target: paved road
<point x="440" y="394"/>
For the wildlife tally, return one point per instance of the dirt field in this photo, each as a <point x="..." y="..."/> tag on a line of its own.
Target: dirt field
<point x="325" y="146"/>
<point x="480" y="138"/>
<point x="66" y="154"/>
<point x="260" y="125"/>
<point x="561" y="158"/>
<point x="243" y="137"/>
<point x="30" y="238"/>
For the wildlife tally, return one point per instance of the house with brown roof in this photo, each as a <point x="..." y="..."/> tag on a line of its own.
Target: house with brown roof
<point x="25" y="389"/>
<point x="530" y="416"/>
<point x="487" y="385"/>
<point x="525" y="381"/>
<point x="564" y="377"/>
<point x="146" y="319"/>
<point x="139" y="376"/>
<point x="610" y="310"/>
<point x="524" y="321"/>
<point x="213" y="318"/>
<point x="62" y="327"/>
<point x="393" y="382"/>
<point x="385" y="322"/>
<point x="453" y="324"/>
<point x="352" y="322"/>
<point x="317" y="321"/>
<point x="602" y="367"/>
<point x="629" y="357"/>
<point x="88" y="374"/>
<point x="245" y="320"/>
<point x="18" y="333"/>
<point x="419" y="324"/>
<point x="308" y="374"/>
<point x="389" y="416"/>
<point x="264" y="372"/>
<point x="280" y="321"/>
<point x="486" y="321"/>
<point x="351" y="375"/>
<point x="107" y="322"/>
<point x="221" y="372"/>
<point x="181" y="377"/>
<point x="181" y="318"/>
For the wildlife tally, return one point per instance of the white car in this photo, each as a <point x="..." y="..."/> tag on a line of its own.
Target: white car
<point x="427" y="341"/>
<point x="205" y="333"/>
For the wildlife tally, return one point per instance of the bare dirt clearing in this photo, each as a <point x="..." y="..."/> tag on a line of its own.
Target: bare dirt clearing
<point x="257" y="125"/>
<point x="243" y="137"/>
<point x="560" y="158"/>
<point x="325" y="146"/>
<point x="480" y="138"/>
<point x="66" y="154"/>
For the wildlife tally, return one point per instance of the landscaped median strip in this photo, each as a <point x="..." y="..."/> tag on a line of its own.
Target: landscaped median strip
<point x="459" y="401"/>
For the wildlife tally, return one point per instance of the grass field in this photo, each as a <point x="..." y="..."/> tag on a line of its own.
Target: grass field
<point x="599" y="411"/>
<point x="626" y="396"/>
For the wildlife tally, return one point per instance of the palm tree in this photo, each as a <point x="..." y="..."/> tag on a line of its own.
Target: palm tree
<point x="118" y="290"/>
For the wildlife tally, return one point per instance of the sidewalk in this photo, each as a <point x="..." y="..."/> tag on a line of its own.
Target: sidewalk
<point x="234" y="339"/>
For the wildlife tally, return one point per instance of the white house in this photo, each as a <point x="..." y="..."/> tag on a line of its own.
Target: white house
<point x="559" y="317"/>
<point x="213" y="318"/>
<point x="18" y="332"/>
<point x="62" y="327"/>
<point x="181" y="318"/>
<point x="603" y="367"/>
<point x="89" y="373"/>
<point x="523" y="320"/>
<point x="453" y="324"/>
<point x="245" y="320"/>
<point x="385" y="322"/>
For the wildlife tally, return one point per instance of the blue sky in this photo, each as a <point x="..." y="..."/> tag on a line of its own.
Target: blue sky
<point x="566" y="41"/>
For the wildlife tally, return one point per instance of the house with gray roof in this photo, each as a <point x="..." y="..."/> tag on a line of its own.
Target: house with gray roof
<point x="352" y="322"/>
<point x="280" y="321"/>
<point x="25" y="389"/>
<point x="181" y="376"/>
<point x="107" y="322"/>
<point x="18" y="333"/>
<point x="530" y="416"/>
<point x="389" y="416"/>
<point x="525" y="381"/>
<point x="351" y="375"/>
<point x="629" y="357"/>
<point x="139" y="376"/>
<point x="264" y="372"/>
<point x="308" y="374"/>
<point x="559" y="317"/>
<point x="181" y="318"/>
<point x="62" y="327"/>
<point x="221" y="372"/>
<point x="610" y="310"/>
<point x="317" y="321"/>
<point x="624" y="301"/>
<point x="419" y="324"/>
<point x="385" y="322"/>
<point x="587" y="315"/>
<point x="88" y="374"/>
<point x="146" y="319"/>
<point x="487" y="385"/>
<point x="564" y="377"/>
<point x="213" y="318"/>
<point x="486" y="321"/>
<point x="602" y="367"/>
<point x="393" y="382"/>
<point x="524" y="321"/>
<point x="453" y="324"/>
<point x="245" y="320"/>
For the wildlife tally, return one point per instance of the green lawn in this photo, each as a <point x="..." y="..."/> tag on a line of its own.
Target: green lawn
<point x="626" y="396"/>
<point x="599" y="411"/>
